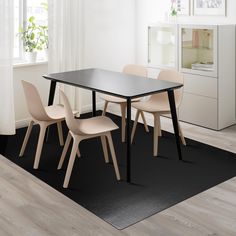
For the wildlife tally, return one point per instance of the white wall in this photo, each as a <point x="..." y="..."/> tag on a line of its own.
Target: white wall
<point x="159" y="9"/>
<point x="109" y="31"/>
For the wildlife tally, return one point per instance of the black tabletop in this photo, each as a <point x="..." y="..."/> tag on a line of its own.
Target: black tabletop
<point x="114" y="83"/>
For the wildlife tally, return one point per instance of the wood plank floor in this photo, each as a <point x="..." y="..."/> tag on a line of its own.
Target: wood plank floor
<point x="30" y="207"/>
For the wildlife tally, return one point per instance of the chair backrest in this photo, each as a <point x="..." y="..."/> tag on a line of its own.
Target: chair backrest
<point x="34" y="103"/>
<point x="70" y="120"/>
<point x="135" y="70"/>
<point x="172" y="76"/>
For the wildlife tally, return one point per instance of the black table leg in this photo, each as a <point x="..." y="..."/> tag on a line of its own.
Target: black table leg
<point x="52" y="92"/>
<point x="94" y="102"/>
<point x="3" y="144"/>
<point x="128" y="141"/>
<point x="50" y="100"/>
<point x="174" y="120"/>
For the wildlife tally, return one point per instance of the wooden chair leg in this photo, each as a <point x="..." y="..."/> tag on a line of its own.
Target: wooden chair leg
<point x="105" y="108"/>
<point x="71" y="161"/>
<point x="28" y="132"/>
<point x="40" y="145"/>
<point x="123" y="112"/>
<point x="144" y="121"/>
<point x="104" y="147"/>
<point x="68" y="139"/>
<point x="135" y="125"/>
<point x="159" y="126"/>
<point x="60" y="133"/>
<point x="113" y="155"/>
<point x="181" y="135"/>
<point x="155" y="136"/>
<point x="78" y="153"/>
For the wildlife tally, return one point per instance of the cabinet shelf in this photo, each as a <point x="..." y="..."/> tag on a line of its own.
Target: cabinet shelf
<point x="199" y="48"/>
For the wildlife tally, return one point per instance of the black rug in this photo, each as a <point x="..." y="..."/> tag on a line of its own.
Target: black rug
<point x="157" y="183"/>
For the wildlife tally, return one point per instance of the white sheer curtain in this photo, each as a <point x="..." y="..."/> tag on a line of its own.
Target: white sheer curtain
<point x="7" y="115"/>
<point x="64" y="42"/>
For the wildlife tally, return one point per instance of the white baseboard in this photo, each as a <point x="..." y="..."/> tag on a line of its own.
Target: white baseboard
<point x="22" y="123"/>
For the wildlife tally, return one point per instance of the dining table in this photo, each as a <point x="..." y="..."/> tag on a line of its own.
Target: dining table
<point x="123" y="86"/>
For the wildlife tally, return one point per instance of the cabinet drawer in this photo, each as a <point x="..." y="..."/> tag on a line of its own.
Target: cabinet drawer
<point x="199" y="110"/>
<point x="200" y="85"/>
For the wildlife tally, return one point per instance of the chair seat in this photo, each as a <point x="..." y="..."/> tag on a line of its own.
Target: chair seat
<point x="152" y="106"/>
<point x="110" y="98"/>
<point x="96" y="125"/>
<point x="57" y="112"/>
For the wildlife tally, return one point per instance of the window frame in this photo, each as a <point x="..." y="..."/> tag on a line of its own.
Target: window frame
<point x="22" y="24"/>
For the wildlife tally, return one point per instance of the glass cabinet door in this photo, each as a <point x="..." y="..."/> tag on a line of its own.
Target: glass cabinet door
<point x="162" y="41"/>
<point x="198" y="50"/>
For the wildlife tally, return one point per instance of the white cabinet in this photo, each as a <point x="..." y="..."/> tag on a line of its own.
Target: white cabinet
<point x="206" y="57"/>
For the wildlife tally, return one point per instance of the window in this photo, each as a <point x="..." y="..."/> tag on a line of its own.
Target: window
<point x="23" y="10"/>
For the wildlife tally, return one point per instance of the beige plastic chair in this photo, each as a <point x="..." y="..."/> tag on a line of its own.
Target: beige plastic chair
<point x="80" y="129"/>
<point x="129" y="70"/>
<point x="44" y="116"/>
<point x="158" y="104"/>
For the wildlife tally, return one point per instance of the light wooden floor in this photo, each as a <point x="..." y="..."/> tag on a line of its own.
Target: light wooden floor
<point x="28" y="207"/>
